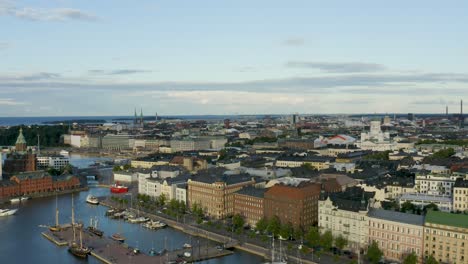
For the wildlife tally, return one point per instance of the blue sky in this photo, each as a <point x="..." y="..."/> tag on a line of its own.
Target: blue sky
<point x="107" y="57"/>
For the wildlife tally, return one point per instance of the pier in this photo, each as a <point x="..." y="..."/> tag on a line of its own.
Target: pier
<point x="110" y="251"/>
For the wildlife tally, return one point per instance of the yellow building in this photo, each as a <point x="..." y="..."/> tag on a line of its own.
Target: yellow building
<point x="460" y="195"/>
<point x="446" y="237"/>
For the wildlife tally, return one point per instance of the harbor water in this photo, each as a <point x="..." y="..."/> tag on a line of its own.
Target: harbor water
<point x="21" y="240"/>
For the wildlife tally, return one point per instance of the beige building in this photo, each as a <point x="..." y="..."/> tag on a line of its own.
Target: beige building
<point x="446" y="237"/>
<point x="214" y="191"/>
<point x="460" y="196"/>
<point x="397" y="234"/>
<point x="345" y="214"/>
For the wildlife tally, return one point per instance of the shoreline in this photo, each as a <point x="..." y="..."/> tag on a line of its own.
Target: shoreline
<point x="48" y="194"/>
<point x="199" y="232"/>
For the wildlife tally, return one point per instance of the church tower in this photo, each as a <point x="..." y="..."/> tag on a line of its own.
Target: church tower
<point x="21" y="145"/>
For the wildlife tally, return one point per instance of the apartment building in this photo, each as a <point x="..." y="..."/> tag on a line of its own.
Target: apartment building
<point x="460" y="195"/>
<point x="446" y="237"/>
<point x="249" y="203"/>
<point x="397" y="234"/>
<point x="345" y="214"/>
<point x="214" y="191"/>
<point x="294" y="203"/>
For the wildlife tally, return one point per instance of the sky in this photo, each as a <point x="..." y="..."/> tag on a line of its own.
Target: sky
<point x="186" y="57"/>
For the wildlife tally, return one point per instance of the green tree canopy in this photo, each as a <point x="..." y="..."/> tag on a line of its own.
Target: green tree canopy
<point x="238" y="221"/>
<point x="410" y="259"/>
<point x="274" y="225"/>
<point x="431" y="260"/>
<point x="262" y="225"/>
<point x="341" y="242"/>
<point x="326" y="240"/>
<point x="374" y="254"/>
<point x="313" y="236"/>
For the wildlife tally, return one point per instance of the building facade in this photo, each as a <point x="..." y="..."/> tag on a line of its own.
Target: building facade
<point x="215" y="193"/>
<point x="299" y="201"/>
<point x="446" y="237"/>
<point x="249" y="203"/>
<point x="460" y="195"/>
<point x="397" y="234"/>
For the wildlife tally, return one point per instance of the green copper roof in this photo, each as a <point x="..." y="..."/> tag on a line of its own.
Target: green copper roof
<point x="21" y="139"/>
<point x="442" y="218"/>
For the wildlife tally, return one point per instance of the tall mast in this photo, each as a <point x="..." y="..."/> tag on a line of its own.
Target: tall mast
<point x="81" y="240"/>
<point x="56" y="211"/>
<point x="73" y="218"/>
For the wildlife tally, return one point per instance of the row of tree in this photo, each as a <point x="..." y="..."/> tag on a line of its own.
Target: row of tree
<point x="50" y="136"/>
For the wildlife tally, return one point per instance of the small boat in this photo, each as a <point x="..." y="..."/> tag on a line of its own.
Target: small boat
<point x="117" y="188"/>
<point x="7" y="212"/>
<point x="152" y="252"/>
<point x="110" y="212"/>
<point x="92" y="228"/>
<point x="118" y="237"/>
<point x="187" y="254"/>
<point x="81" y="252"/>
<point x="64" y="152"/>
<point x="92" y="199"/>
<point x="19" y="199"/>
<point x="138" y="220"/>
<point x="187" y="245"/>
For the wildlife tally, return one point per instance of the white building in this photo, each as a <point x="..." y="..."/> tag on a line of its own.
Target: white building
<point x="57" y="162"/>
<point x="376" y="140"/>
<point x="444" y="203"/>
<point x="126" y="176"/>
<point x="435" y="184"/>
<point x="346" y="219"/>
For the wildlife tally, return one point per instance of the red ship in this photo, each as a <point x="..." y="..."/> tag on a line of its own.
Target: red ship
<point x="117" y="188"/>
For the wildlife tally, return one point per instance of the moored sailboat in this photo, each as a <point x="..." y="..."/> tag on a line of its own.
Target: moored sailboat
<point x="56" y="227"/>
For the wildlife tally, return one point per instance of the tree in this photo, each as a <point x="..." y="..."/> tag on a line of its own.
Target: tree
<point x="127" y="166"/>
<point x="431" y="260"/>
<point x="53" y="171"/>
<point x="341" y="242"/>
<point x="431" y="206"/>
<point x="117" y="168"/>
<point x="274" y="225"/>
<point x="444" y="153"/>
<point x="408" y="207"/>
<point x="313" y="236"/>
<point x="262" y="225"/>
<point x="286" y="231"/>
<point x="374" y="254"/>
<point x="411" y="259"/>
<point x="68" y="169"/>
<point x="162" y="199"/>
<point x="326" y="240"/>
<point x="238" y="221"/>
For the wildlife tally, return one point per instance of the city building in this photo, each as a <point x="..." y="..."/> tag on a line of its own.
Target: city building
<point x="460" y="195"/>
<point x="295" y="204"/>
<point x="345" y="214"/>
<point x="249" y="203"/>
<point x="318" y="162"/>
<point x="397" y="234"/>
<point x="214" y="191"/>
<point x="57" y="162"/>
<point x="117" y="142"/>
<point x="42" y="182"/>
<point x="435" y="184"/>
<point x="446" y="237"/>
<point x="444" y="203"/>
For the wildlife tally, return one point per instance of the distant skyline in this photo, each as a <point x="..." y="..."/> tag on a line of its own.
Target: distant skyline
<point x="104" y="58"/>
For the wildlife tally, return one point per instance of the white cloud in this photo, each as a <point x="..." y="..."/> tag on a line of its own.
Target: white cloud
<point x="9" y="8"/>
<point x="338" y="67"/>
<point x="10" y="102"/>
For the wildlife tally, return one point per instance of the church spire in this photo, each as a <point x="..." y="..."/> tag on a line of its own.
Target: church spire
<point x="21" y="142"/>
<point x="141" y="116"/>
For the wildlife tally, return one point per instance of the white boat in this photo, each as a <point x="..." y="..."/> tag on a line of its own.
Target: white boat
<point x="187" y="245"/>
<point x="19" y="199"/>
<point x="64" y="153"/>
<point x="92" y="199"/>
<point x="7" y="212"/>
<point x="138" y="220"/>
<point x="15" y="200"/>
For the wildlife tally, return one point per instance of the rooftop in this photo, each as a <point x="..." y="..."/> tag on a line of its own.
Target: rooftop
<point x="448" y="219"/>
<point x="394" y="216"/>
<point x="252" y="191"/>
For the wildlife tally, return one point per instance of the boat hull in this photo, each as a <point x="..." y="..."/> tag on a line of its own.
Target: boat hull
<point x="119" y="189"/>
<point x="8" y="212"/>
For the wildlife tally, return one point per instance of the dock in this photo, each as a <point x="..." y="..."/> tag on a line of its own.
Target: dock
<point x="106" y="250"/>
